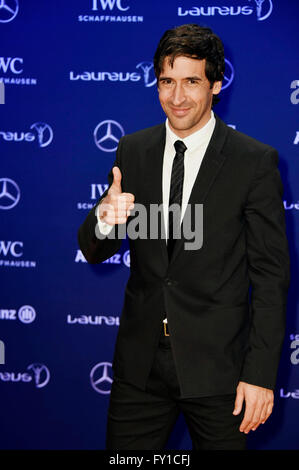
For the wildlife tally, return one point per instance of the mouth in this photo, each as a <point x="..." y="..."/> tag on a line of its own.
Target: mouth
<point x="179" y="112"/>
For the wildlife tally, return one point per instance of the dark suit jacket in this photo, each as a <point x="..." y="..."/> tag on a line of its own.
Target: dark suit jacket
<point x="226" y="301"/>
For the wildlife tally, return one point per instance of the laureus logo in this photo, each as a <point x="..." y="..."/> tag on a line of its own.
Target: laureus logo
<point x="147" y="69"/>
<point x="40" y="374"/>
<point x="44" y="133"/>
<point x="263" y="9"/>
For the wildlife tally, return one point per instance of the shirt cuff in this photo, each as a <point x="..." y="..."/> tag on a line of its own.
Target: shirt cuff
<point x="103" y="227"/>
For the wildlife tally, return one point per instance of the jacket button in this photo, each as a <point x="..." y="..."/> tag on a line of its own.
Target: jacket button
<point x="168" y="282"/>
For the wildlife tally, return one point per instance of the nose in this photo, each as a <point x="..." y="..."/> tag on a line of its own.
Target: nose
<point x="178" y="96"/>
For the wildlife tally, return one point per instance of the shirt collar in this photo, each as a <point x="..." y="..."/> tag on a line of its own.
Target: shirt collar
<point x="194" y="140"/>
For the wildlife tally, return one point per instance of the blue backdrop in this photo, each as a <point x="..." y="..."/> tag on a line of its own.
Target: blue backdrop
<point x="78" y="74"/>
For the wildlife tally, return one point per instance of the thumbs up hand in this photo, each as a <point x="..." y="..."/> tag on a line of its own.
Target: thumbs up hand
<point x="116" y="184"/>
<point x="115" y="207"/>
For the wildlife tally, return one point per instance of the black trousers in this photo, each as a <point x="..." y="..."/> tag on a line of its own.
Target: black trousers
<point x="143" y="420"/>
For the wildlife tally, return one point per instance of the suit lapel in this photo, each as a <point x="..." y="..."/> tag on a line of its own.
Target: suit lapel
<point x="152" y="187"/>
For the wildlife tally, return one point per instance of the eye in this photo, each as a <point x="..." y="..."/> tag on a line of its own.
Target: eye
<point x="166" y="81"/>
<point x="192" y="81"/>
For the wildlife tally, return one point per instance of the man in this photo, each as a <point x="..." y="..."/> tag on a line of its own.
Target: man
<point x="201" y="329"/>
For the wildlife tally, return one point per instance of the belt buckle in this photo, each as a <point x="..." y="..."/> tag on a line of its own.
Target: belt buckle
<point x="166" y="329"/>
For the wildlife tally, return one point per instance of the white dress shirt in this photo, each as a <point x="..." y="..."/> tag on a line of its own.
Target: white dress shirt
<point x="196" y="144"/>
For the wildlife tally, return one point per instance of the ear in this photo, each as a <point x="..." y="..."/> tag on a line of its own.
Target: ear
<point x="217" y="87"/>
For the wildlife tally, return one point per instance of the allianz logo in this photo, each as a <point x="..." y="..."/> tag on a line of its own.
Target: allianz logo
<point x="115" y="259"/>
<point x="93" y="320"/>
<point x="26" y="314"/>
<point x="145" y="73"/>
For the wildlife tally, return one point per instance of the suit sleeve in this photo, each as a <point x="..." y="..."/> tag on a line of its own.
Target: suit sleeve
<point x="94" y="244"/>
<point x="268" y="267"/>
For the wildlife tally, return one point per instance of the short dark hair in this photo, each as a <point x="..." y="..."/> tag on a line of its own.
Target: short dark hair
<point x="198" y="42"/>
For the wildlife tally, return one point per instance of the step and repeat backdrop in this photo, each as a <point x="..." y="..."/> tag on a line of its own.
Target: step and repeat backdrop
<point x="75" y="76"/>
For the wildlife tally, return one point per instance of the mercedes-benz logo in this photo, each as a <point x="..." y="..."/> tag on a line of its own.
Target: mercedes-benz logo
<point x="100" y="379"/>
<point x="9" y="193"/>
<point x="229" y="75"/>
<point x="107" y="134"/>
<point x="8" y="10"/>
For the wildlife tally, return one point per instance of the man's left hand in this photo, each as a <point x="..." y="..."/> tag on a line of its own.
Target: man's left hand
<point x="259" y="403"/>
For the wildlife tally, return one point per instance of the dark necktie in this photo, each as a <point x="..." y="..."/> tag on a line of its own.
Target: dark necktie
<point x="175" y="195"/>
